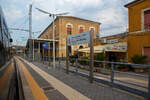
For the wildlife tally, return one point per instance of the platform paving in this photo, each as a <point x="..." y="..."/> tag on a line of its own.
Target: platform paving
<point x="95" y="91"/>
<point x="49" y="90"/>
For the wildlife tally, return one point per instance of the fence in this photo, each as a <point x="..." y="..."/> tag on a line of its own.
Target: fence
<point x="110" y="73"/>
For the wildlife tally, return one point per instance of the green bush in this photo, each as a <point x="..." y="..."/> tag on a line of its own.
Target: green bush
<point x="99" y="57"/>
<point x="138" y="59"/>
<point x="72" y="58"/>
<point x="83" y="61"/>
<point x="121" y="66"/>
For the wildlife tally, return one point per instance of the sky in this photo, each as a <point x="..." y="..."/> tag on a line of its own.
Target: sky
<point x="112" y="15"/>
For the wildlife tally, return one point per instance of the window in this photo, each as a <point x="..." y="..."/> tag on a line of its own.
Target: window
<point x="92" y="28"/>
<point x="81" y="29"/>
<point x="81" y="47"/>
<point x="146" y="51"/>
<point x="69" y="30"/>
<point x="147" y="19"/>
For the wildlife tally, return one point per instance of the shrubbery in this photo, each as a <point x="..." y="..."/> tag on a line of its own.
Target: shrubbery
<point x="138" y="59"/>
<point x="84" y="61"/>
<point x="99" y="57"/>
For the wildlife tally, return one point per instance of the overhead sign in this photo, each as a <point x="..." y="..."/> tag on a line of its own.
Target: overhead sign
<point x="118" y="47"/>
<point x="46" y="46"/>
<point x="112" y="41"/>
<point x="79" y="38"/>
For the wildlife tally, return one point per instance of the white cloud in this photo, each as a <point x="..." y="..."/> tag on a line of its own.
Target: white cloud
<point x="111" y="17"/>
<point x="111" y="14"/>
<point x="13" y="13"/>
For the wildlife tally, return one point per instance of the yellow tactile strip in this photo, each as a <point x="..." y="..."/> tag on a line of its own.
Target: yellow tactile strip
<point x="67" y="91"/>
<point x="37" y="92"/>
<point x="5" y="77"/>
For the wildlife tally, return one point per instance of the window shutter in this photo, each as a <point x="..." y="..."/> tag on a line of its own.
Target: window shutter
<point x="147" y="19"/>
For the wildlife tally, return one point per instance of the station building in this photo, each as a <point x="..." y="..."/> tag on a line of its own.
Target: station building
<point x="66" y="26"/>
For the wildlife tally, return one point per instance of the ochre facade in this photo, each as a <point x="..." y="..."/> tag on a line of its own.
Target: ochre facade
<point x="61" y="24"/>
<point x="138" y="37"/>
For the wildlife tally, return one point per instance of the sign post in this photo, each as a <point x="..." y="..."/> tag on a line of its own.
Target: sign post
<point x="49" y="53"/>
<point x="91" y="57"/>
<point x="85" y="37"/>
<point x="67" y="54"/>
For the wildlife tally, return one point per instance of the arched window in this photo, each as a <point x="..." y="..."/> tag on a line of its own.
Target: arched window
<point x="92" y="28"/>
<point x="81" y="47"/>
<point x="81" y="29"/>
<point x="69" y="29"/>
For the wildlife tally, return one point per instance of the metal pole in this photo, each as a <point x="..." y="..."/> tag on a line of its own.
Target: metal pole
<point x="33" y="49"/>
<point x="59" y="62"/>
<point x="148" y="94"/>
<point x="30" y="22"/>
<point x="53" y="43"/>
<point x="43" y="55"/>
<point x="39" y="49"/>
<point x="30" y="31"/>
<point x="76" y="64"/>
<point x="91" y="57"/>
<point x="67" y="67"/>
<point x="112" y="73"/>
<point x="104" y="59"/>
<point x="49" y="52"/>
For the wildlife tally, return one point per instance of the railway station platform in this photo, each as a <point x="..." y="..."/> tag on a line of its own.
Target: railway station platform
<point x="43" y="82"/>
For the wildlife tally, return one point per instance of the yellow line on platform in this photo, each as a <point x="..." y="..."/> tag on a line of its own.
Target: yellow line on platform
<point x="67" y="91"/>
<point x="4" y="78"/>
<point x="37" y="92"/>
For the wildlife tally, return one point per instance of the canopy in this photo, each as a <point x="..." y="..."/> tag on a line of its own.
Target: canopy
<point x="97" y="49"/>
<point x="116" y="47"/>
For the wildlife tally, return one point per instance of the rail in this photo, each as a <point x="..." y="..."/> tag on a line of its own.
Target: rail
<point x="109" y="73"/>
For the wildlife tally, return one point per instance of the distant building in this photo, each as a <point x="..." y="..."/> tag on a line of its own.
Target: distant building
<point x="18" y="50"/>
<point x="66" y="26"/>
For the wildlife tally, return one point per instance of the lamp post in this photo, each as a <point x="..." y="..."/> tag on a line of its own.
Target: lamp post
<point x="53" y="16"/>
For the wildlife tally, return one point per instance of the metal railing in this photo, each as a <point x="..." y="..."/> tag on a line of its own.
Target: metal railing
<point x="108" y="73"/>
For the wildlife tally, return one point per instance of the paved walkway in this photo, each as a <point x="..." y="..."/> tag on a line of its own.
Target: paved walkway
<point x="67" y="91"/>
<point x="74" y="87"/>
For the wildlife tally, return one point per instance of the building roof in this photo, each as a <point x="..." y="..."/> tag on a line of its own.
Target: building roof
<point x="115" y="35"/>
<point x="71" y="17"/>
<point x="133" y="3"/>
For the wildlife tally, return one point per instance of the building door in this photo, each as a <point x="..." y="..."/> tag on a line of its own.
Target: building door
<point x="111" y="56"/>
<point x="146" y="52"/>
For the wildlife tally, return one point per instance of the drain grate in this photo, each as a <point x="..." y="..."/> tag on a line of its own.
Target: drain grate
<point x="49" y="88"/>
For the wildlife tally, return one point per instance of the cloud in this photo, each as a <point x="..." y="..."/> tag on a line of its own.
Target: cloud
<point x="111" y="17"/>
<point x="111" y="14"/>
<point x="12" y="13"/>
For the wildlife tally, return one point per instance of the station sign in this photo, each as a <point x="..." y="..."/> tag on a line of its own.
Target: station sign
<point x="112" y="41"/>
<point x="46" y="46"/>
<point x="117" y="47"/>
<point x="80" y="38"/>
